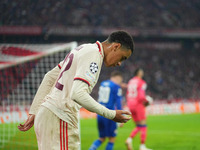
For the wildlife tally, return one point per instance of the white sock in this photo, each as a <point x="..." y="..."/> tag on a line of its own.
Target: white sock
<point x="142" y="146"/>
<point x="129" y="139"/>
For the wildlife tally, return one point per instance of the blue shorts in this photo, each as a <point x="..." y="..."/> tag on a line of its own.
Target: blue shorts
<point x="107" y="127"/>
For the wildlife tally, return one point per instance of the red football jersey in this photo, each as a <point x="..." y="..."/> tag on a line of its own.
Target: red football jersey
<point x="136" y="91"/>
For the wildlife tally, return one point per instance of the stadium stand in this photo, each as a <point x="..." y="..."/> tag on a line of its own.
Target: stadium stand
<point x="170" y="73"/>
<point x="141" y="14"/>
<point x="167" y="42"/>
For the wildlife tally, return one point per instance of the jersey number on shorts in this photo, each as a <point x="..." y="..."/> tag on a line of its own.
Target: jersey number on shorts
<point x="68" y="62"/>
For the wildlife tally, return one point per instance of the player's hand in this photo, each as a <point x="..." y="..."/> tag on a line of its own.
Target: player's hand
<point x="122" y="116"/>
<point x="28" y="124"/>
<point x="149" y="100"/>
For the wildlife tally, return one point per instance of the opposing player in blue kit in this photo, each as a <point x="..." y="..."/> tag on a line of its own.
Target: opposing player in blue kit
<point x="110" y="95"/>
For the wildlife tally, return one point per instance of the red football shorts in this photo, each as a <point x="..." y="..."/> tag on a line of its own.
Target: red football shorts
<point x="138" y="112"/>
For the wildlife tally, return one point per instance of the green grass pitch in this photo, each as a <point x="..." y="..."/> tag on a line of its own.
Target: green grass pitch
<point x="166" y="132"/>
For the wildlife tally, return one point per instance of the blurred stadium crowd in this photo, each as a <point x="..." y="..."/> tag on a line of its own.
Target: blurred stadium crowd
<point x="145" y="13"/>
<point x="170" y="73"/>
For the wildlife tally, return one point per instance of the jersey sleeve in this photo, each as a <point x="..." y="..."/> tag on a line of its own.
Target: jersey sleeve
<point x="88" y="67"/>
<point x="80" y="95"/>
<point x="44" y="88"/>
<point x="118" y="99"/>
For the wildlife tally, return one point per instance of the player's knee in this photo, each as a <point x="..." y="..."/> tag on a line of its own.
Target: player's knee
<point x="112" y="139"/>
<point x="102" y="139"/>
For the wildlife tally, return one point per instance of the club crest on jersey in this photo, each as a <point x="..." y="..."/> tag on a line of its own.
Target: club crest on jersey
<point x="93" y="67"/>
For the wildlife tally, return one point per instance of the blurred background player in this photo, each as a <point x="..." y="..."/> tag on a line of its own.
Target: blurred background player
<point x="110" y="95"/>
<point x="137" y="101"/>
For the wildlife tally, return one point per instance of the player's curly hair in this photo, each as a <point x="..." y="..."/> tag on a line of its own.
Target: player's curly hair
<point x="123" y="38"/>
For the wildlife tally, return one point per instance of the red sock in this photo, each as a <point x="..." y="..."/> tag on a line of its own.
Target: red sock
<point x="134" y="132"/>
<point x="143" y="134"/>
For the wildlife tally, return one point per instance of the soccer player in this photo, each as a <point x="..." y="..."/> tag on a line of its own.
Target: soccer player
<point x="54" y="111"/>
<point x="110" y="95"/>
<point x="137" y="101"/>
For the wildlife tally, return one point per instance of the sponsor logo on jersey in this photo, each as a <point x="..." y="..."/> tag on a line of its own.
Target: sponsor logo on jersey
<point x="93" y="67"/>
<point x="88" y="74"/>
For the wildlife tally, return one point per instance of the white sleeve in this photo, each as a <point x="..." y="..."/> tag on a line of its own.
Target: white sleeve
<point x="88" y="67"/>
<point x="44" y="88"/>
<point x="80" y="95"/>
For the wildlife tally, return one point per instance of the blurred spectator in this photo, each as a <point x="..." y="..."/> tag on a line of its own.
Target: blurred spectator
<point x="170" y="74"/>
<point x="145" y="13"/>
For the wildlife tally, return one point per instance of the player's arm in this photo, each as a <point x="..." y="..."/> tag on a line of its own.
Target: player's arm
<point x="44" y="88"/>
<point x="124" y="85"/>
<point x="80" y="95"/>
<point x="142" y="92"/>
<point x="147" y="100"/>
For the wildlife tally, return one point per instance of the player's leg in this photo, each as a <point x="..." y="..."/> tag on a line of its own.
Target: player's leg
<point x="97" y="143"/>
<point x="53" y="133"/>
<point x="136" y="116"/>
<point x="46" y="127"/>
<point x="132" y="135"/>
<point x="111" y="133"/>
<point x="143" y="128"/>
<point x="128" y="141"/>
<point x="134" y="131"/>
<point x="72" y="135"/>
<point x="110" y="144"/>
<point x="101" y="122"/>
<point x="142" y="125"/>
